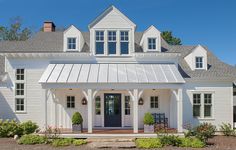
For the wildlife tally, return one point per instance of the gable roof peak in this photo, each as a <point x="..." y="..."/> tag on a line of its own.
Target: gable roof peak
<point x="151" y="27"/>
<point x="71" y="26"/>
<point x="106" y="12"/>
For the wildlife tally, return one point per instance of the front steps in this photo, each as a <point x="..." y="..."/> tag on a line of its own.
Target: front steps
<point x="127" y="143"/>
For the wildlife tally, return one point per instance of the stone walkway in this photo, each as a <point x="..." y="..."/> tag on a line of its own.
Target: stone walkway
<point x="127" y="143"/>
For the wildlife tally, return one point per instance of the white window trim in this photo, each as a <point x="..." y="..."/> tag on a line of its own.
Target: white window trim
<point x="195" y="63"/>
<point x="104" y="42"/>
<point x="76" y="45"/>
<point x="118" y="49"/>
<point x="20" y="96"/>
<point x="158" y="102"/>
<point x="202" y="92"/>
<point x="70" y="103"/>
<point x="129" y="104"/>
<point x="154" y="50"/>
<point x="116" y="41"/>
<point x="124" y="41"/>
<point x="100" y="106"/>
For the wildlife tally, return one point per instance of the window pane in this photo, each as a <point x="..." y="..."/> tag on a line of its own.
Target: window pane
<point x="20" y="74"/>
<point x="71" y="43"/>
<point x="124" y="47"/>
<point x="98" y="105"/>
<point x="199" y="62"/>
<point x="207" y="111"/>
<point x="19" y="88"/>
<point x="111" y="47"/>
<point x="151" y="43"/>
<point x="196" y="110"/>
<point x="99" y="47"/>
<point x="19" y="103"/>
<point x="127" y="105"/>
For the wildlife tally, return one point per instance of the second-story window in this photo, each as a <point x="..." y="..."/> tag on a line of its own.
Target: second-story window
<point x="199" y="62"/>
<point x="111" y="42"/>
<point x="99" y="42"/>
<point x="71" y="43"/>
<point x="152" y="43"/>
<point x="124" y="42"/>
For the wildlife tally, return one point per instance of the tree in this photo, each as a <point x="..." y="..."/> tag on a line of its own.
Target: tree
<point x="15" y="32"/>
<point x="170" y="39"/>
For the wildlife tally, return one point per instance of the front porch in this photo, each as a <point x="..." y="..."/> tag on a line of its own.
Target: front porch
<point x="125" y="107"/>
<point x="112" y="95"/>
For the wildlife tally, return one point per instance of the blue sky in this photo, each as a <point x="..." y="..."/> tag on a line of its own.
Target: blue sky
<point x="206" y="22"/>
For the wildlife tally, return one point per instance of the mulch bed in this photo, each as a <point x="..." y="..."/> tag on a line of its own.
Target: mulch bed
<point x="217" y="143"/>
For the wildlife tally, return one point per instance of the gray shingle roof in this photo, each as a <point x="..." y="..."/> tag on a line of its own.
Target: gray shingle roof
<point x="53" y="42"/>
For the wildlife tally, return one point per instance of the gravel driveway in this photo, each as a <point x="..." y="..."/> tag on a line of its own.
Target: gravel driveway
<point x="217" y="143"/>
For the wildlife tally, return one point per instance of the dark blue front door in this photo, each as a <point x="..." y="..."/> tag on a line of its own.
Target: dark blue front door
<point x="112" y="110"/>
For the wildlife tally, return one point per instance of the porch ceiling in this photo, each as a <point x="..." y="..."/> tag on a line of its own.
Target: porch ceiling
<point x="111" y="73"/>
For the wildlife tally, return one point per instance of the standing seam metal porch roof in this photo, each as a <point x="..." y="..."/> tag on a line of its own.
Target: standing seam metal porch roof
<point x="111" y="73"/>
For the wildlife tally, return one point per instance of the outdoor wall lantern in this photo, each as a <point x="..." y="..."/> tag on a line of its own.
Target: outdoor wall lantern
<point x="84" y="101"/>
<point x="140" y="101"/>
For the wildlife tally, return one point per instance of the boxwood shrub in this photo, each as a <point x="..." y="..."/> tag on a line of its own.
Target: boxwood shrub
<point x="9" y="128"/>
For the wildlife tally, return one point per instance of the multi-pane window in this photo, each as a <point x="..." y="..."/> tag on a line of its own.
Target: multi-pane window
<point x="98" y="105"/>
<point x="202" y="105"/>
<point x="20" y="74"/>
<point x="152" y="43"/>
<point x="196" y="105"/>
<point x="20" y="104"/>
<point x="70" y="102"/>
<point x="20" y="89"/>
<point x="124" y="42"/>
<point x="207" y="105"/>
<point x="99" y="42"/>
<point x="127" y="105"/>
<point x="71" y="43"/>
<point x="111" y="42"/>
<point x="154" y="102"/>
<point x="199" y="62"/>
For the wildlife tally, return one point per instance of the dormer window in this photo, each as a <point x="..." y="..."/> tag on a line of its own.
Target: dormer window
<point x="152" y="43"/>
<point x="71" y="43"/>
<point x="124" y="42"/>
<point x="99" y="42"/>
<point x="199" y="62"/>
<point x="111" y="42"/>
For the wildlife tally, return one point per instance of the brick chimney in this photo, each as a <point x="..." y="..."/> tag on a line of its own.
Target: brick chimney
<point x="49" y="26"/>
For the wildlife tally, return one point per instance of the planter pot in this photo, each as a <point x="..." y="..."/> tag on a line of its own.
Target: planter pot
<point x="77" y="128"/>
<point x="148" y="128"/>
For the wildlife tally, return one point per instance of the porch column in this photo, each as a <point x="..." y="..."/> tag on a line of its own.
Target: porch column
<point x="90" y="94"/>
<point x="135" y="95"/>
<point x="135" y="110"/>
<point x="90" y="111"/>
<point x="179" y="97"/>
<point x="45" y="109"/>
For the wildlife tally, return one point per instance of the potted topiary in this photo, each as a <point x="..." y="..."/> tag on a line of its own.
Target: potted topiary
<point x="148" y="123"/>
<point x="77" y="122"/>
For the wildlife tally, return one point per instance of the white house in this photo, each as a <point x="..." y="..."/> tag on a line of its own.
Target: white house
<point x="112" y="75"/>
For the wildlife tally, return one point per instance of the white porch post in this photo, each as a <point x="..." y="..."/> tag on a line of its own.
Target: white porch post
<point x="90" y="111"/>
<point x="45" y="109"/>
<point x="135" y="110"/>
<point x="89" y="96"/>
<point x="179" y="97"/>
<point x="135" y="95"/>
